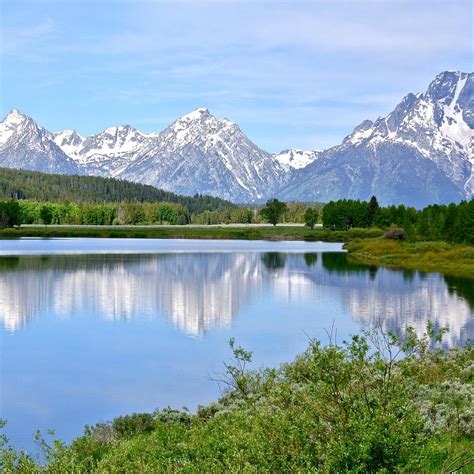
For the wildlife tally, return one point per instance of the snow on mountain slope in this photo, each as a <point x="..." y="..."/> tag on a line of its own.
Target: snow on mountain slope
<point x="422" y="152"/>
<point x="296" y="159"/>
<point x="23" y="144"/>
<point x="106" y="153"/>
<point x="199" y="153"/>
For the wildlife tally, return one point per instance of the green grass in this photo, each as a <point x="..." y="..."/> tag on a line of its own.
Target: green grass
<point x="192" y="232"/>
<point x="449" y="259"/>
<point x="334" y="409"/>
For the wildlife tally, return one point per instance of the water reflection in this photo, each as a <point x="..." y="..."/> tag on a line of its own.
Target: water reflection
<point x="197" y="292"/>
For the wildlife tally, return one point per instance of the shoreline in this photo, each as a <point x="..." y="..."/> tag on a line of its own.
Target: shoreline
<point x="228" y="232"/>
<point x="363" y="246"/>
<point x="428" y="256"/>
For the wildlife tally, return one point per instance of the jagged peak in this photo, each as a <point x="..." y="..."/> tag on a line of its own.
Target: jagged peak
<point x="197" y="114"/>
<point x="119" y="128"/>
<point x="450" y="73"/>
<point x="444" y="85"/>
<point x="15" y="116"/>
<point x="68" y="132"/>
<point x="201" y="118"/>
<point x="365" y="125"/>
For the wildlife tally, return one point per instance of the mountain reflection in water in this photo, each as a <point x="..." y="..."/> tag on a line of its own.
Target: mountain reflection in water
<point x="201" y="291"/>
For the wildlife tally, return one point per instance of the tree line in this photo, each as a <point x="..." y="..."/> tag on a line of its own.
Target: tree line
<point x="451" y="223"/>
<point x="32" y="185"/>
<point x="273" y="211"/>
<point x="13" y="213"/>
<point x="17" y="212"/>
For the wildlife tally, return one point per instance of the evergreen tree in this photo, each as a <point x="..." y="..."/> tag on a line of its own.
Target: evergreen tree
<point x="373" y="208"/>
<point x="273" y="211"/>
<point x="10" y="214"/>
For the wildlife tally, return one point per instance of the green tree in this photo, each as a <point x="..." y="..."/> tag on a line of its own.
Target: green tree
<point x="46" y="214"/>
<point x="373" y="208"/>
<point x="310" y="217"/>
<point x="166" y="213"/>
<point x="464" y="226"/>
<point x="10" y="214"/>
<point x="273" y="211"/>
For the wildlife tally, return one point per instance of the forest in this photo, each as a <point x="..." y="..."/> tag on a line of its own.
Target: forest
<point x="450" y="223"/>
<point x="32" y="185"/>
<point x="28" y="197"/>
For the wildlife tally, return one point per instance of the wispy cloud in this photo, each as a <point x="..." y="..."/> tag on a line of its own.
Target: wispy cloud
<point x="316" y="67"/>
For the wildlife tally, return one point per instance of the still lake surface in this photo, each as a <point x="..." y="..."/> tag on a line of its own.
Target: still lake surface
<point x="91" y="329"/>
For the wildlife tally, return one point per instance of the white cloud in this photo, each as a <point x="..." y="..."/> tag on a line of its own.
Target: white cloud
<point x="319" y="65"/>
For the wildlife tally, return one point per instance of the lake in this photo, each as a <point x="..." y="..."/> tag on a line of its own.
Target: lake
<point x="96" y="328"/>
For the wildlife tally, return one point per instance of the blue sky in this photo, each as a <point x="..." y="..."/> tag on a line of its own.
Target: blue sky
<point x="292" y="74"/>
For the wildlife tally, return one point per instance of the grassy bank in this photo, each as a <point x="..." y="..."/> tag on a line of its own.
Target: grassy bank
<point x="449" y="259"/>
<point x="334" y="409"/>
<point x="193" y="232"/>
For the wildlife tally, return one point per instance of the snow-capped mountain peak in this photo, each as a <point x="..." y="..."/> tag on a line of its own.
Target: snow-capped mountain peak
<point x="69" y="141"/>
<point x="199" y="153"/>
<point x="105" y="153"/>
<point x="197" y="114"/>
<point x="294" y="158"/>
<point x="24" y="144"/>
<point x="438" y="124"/>
<point x="13" y="125"/>
<point x="421" y="152"/>
<point x="15" y="117"/>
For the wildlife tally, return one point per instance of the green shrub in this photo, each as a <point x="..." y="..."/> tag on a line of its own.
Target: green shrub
<point x="351" y="407"/>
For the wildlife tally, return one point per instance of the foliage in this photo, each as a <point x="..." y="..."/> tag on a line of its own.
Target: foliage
<point x="449" y="259"/>
<point x="128" y="213"/>
<point x="373" y="209"/>
<point x="33" y="185"/>
<point x="273" y="211"/>
<point x="310" y="217"/>
<point x="9" y="214"/>
<point x="352" y="407"/>
<point x="453" y="223"/>
<point x="395" y="233"/>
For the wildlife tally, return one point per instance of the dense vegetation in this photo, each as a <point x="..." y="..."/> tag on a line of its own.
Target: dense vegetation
<point x="293" y="212"/>
<point x="442" y="257"/>
<point x="351" y="407"/>
<point x="75" y="200"/>
<point x="35" y="186"/>
<point x="14" y="213"/>
<point x="129" y="213"/>
<point x="453" y="223"/>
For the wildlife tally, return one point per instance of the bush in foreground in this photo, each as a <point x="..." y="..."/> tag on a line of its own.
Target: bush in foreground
<point x="354" y="407"/>
<point x="396" y="233"/>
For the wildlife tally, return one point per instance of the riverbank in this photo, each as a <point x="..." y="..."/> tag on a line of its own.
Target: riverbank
<point x="334" y="409"/>
<point x="364" y="246"/>
<point x="442" y="257"/>
<point x="242" y="232"/>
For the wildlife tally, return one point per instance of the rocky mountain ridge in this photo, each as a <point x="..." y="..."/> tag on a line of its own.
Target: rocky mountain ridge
<point x="420" y="153"/>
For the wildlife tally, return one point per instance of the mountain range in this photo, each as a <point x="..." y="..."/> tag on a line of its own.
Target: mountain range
<point x="420" y="153"/>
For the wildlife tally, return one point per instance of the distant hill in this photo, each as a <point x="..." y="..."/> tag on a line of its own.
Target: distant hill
<point x="22" y="184"/>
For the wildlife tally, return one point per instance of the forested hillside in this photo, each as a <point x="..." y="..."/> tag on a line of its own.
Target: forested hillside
<point x="32" y="185"/>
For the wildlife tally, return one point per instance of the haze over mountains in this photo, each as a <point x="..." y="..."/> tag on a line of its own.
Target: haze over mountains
<point x="420" y="153"/>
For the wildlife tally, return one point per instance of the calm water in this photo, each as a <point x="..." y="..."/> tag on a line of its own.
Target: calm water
<point x="95" y="328"/>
